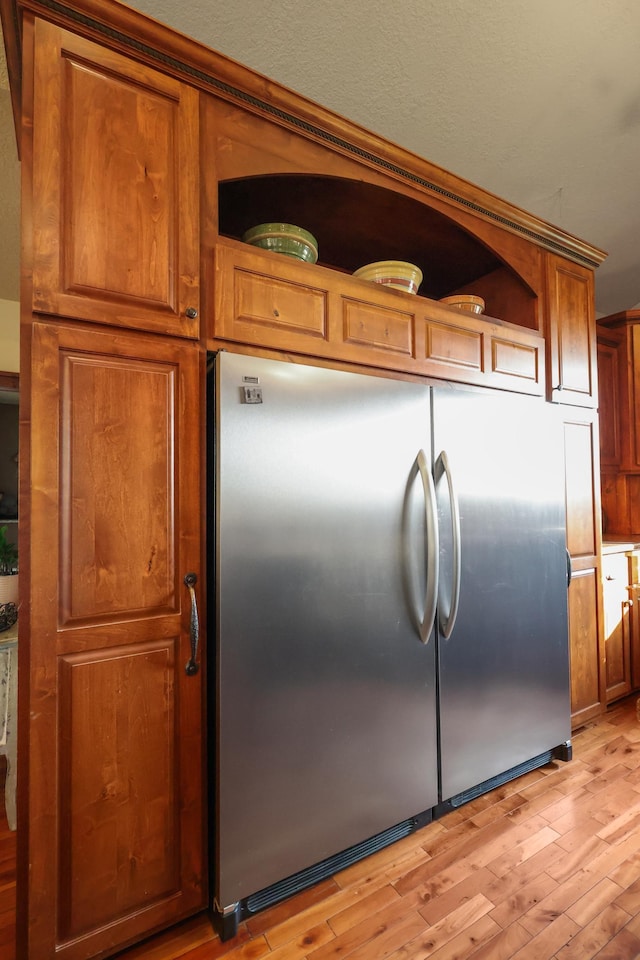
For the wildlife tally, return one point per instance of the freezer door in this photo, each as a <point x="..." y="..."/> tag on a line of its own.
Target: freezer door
<point x="504" y="668"/>
<point x="324" y="689"/>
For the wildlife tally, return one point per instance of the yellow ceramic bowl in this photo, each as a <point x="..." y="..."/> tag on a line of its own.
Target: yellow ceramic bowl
<point x="465" y="302"/>
<point x="392" y="273"/>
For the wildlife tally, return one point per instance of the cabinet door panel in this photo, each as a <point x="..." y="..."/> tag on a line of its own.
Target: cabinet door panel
<point x="115" y="210"/>
<point x="117" y="488"/>
<point x="117" y="856"/>
<point x="633" y="411"/>
<point x="113" y="759"/>
<point x="586" y="647"/>
<point x="571" y="333"/>
<point x="374" y="326"/>
<point x="581" y="490"/>
<point x="608" y="385"/>
<point x="454" y="345"/>
<point x="585" y="661"/>
<point x="617" y="625"/>
<point x="515" y="360"/>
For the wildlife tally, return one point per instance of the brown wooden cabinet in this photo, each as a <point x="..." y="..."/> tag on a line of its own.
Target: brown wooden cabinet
<point x="587" y="655"/>
<point x="145" y="157"/>
<point x="112" y="784"/>
<point x="610" y="364"/>
<point x="572" y="382"/>
<point x="115" y="173"/>
<point x="272" y="301"/>
<point x="571" y="329"/>
<point x="618" y="622"/>
<point x="113" y="761"/>
<point x="634" y="597"/>
<point x="619" y="375"/>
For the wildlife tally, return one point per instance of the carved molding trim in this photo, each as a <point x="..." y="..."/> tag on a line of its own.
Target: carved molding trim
<point x="209" y="80"/>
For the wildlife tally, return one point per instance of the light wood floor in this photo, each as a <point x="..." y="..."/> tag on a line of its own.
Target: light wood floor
<point x="545" y="867"/>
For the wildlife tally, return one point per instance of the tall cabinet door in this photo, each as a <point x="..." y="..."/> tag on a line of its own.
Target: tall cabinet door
<point x="111" y="835"/>
<point x="588" y="680"/>
<point x="115" y="182"/>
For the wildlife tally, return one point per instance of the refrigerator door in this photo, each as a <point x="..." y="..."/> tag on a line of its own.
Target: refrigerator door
<point x="324" y="689"/>
<point x="503" y="663"/>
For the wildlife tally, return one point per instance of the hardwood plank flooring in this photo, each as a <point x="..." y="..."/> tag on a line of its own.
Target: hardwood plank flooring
<point x="546" y="867"/>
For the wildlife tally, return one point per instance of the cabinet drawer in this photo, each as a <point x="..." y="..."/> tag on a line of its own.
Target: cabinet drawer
<point x="270" y="308"/>
<point x="269" y="302"/>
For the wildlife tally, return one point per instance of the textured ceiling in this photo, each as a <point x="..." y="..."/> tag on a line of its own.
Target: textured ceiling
<point x="538" y="102"/>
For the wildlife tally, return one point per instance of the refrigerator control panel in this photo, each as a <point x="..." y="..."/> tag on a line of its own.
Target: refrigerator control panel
<point x="252" y="394"/>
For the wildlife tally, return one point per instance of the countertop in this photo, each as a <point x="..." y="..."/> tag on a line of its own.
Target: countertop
<point x="623" y="545"/>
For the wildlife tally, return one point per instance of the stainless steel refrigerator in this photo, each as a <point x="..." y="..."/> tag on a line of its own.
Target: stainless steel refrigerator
<point x="345" y="508"/>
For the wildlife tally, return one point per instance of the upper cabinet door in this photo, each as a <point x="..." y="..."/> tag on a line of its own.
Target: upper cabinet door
<point x="571" y="330"/>
<point x="115" y="189"/>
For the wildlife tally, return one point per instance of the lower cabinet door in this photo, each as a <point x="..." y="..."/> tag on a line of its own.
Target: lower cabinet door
<point x="617" y="624"/>
<point x="584" y="647"/>
<point x="111" y="836"/>
<point x="586" y="642"/>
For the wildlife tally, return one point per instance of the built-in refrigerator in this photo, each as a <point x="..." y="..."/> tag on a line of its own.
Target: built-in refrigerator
<point x="387" y="608"/>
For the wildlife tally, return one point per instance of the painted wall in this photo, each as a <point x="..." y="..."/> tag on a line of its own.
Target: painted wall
<point x="9" y="336"/>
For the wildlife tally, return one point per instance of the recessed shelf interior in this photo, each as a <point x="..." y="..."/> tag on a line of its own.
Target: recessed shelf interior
<point x="356" y="222"/>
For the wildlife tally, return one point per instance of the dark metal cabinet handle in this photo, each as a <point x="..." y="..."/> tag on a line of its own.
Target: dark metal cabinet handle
<point x="192" y="665"/>
<point x="191" y="312"/>
<point x="569" y="569"/>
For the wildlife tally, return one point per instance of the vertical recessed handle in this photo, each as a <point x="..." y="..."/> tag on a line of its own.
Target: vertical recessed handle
<point x="192" y="665"/>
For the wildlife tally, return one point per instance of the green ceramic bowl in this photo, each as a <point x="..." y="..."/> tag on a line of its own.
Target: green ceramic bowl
<point x="284" y="238"/>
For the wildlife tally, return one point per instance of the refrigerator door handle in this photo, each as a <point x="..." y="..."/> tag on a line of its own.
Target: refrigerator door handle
<point x="441" y="468"/>
<point x="433" y="549"/>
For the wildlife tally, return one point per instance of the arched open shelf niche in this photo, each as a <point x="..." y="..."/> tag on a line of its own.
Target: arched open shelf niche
<point x="356" y="222"/>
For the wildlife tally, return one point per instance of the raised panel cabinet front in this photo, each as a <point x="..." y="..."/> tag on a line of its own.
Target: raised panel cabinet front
<point x="115" y="189"/>
<point x="609" y="405"/>
<point x="573" y="376"/>
<point x="115" y="832"/>
<point x="586" y="646"/>
<point x="617" y="624"/>
<point x="119" y="819"/>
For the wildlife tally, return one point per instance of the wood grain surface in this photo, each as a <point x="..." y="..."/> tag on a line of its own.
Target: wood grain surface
<point x="544" y="868"/>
